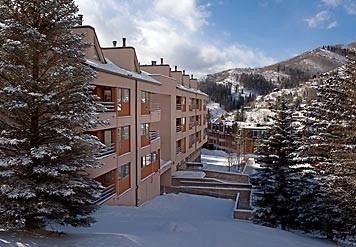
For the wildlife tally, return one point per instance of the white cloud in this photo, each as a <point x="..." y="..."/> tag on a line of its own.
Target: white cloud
<point x="187" y="12"/>
<point x="332" y="25"/>
<point x="164" y="28"/>
<point x="348" y="5"/>
<point x="332" y="3"/>
<point x="319" y="19"/>
<point x="350" y="8"/>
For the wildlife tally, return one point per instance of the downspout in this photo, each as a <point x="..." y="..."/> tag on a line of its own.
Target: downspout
<point x="136" y="138"/>
<point x="196" y="126"/>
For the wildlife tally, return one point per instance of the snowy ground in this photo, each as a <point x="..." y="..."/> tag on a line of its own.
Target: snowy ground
<point x="217" y="160"/>
<point x="215" y="110"/>
<point x="169" y="220"/>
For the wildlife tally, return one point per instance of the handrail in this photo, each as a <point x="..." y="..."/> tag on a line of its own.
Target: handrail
<point x="179" y="107"/>
<point x="153" y="134"/>
<point x="107" y="150"/>
<point x="106" y="194"/>
<point x="108" y="106"/>
<point x="179" y="128"/>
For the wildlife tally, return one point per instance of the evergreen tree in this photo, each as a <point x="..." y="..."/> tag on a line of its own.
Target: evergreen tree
<point x="46" y="105"/>
<point x="330" y="148"/>
<point x="272" y="188"/>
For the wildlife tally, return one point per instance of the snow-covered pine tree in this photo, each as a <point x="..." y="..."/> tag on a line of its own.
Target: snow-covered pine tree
<point x="46" y="105"/>
<point x="271" y="182"/>
<point x="329" y="146"/>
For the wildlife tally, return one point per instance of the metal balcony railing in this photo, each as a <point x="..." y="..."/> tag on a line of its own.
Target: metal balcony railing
<point x="179" y="107"/>
<point x="179" y="128"/>
<point x="106" y="194"/>
<point x="153" y="134"/>
<point x="178" y="150"/>
<point x="106" y="151"/>
<point x="108" y="106"/>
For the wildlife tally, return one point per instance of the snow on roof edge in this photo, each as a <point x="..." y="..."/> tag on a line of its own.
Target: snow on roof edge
<point x="113" y="68"/>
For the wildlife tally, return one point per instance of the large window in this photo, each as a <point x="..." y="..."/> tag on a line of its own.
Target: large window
<point x="145" y="97"/>
<point x="146" y="160"/>
<point x="107" y="95"/>
<point x="123" y="97"/>
<point x="124" y="133"/>
<point x="107" y="138"/>
<point x="154" y="156"/>
<point x="144" y="130"/>
<point x="124" y="171"/>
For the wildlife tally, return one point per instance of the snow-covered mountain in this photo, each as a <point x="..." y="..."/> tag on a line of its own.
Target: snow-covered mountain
<point x="291" y="72"/>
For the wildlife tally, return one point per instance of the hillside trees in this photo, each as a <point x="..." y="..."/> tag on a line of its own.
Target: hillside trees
<point x="257" y="83"/>
<point x="220" y="93"/>
<point x="46" y="106"/>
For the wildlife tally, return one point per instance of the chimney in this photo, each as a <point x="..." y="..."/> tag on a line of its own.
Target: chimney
<point x="161" y="60"/>
<point x="153" y="62"/>
<point x="123" y="42"/>
<point x="80" y="19"/>
<point x="183" y="72"/>
<point x="175" y="68"/>
<point x="191" y="76"/>
<point x="114" y="43"/>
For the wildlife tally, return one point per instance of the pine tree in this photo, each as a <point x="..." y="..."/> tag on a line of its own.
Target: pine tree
<point x="46" y="106"/>
<point x="330" y="147"/>
<point x="271" y="183"/>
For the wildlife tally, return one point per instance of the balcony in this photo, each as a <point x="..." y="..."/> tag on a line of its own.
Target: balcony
<point x="153" y="134"/>
<point x="108" y="106"/>
<point x="106" y="194"/>
<point x="178" y="107"/>
<point x="178" y="150"/>
<point x="106" y="151"/>
<point x="154" y="107"/>
<point x="179" y="128"/>
<point x="150" y="113"/>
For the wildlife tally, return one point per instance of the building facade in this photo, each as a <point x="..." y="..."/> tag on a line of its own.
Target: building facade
<point x="235" y="137"/>
<point x="154" y="121"/>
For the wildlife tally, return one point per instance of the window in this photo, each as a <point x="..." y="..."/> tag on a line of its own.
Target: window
<point x="154" y="156"/>
<point x="145" y="160"/>
<point x="107" y="95"/>
<point x="124" y="133"/>
<point x="144" y="130"/>
<point x="123" y="97"/>
<point x="124" y="171"/>
<point x="107" y="138"/>
<point x="144" y="97"/>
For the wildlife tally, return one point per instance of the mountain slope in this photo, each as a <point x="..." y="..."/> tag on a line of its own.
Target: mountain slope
<point x="289" y="73"/>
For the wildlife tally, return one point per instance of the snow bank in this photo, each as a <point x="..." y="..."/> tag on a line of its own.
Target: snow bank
<point x="189" y="174"/>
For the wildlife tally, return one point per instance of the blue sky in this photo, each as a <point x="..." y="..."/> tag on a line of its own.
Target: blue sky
<point x="207" y="36"/>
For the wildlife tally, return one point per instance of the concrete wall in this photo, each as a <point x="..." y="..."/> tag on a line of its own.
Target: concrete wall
<point x="149" y="188"/>
<point x="229" y="176"/>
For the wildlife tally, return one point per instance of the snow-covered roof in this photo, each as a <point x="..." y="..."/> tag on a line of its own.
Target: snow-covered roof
<point x="113" y="68"/>
<point x="192" y="90"/>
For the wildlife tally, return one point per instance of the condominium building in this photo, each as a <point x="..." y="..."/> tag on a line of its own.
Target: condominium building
<point x="154" y="121"/>
<point x="235" y="137"/>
